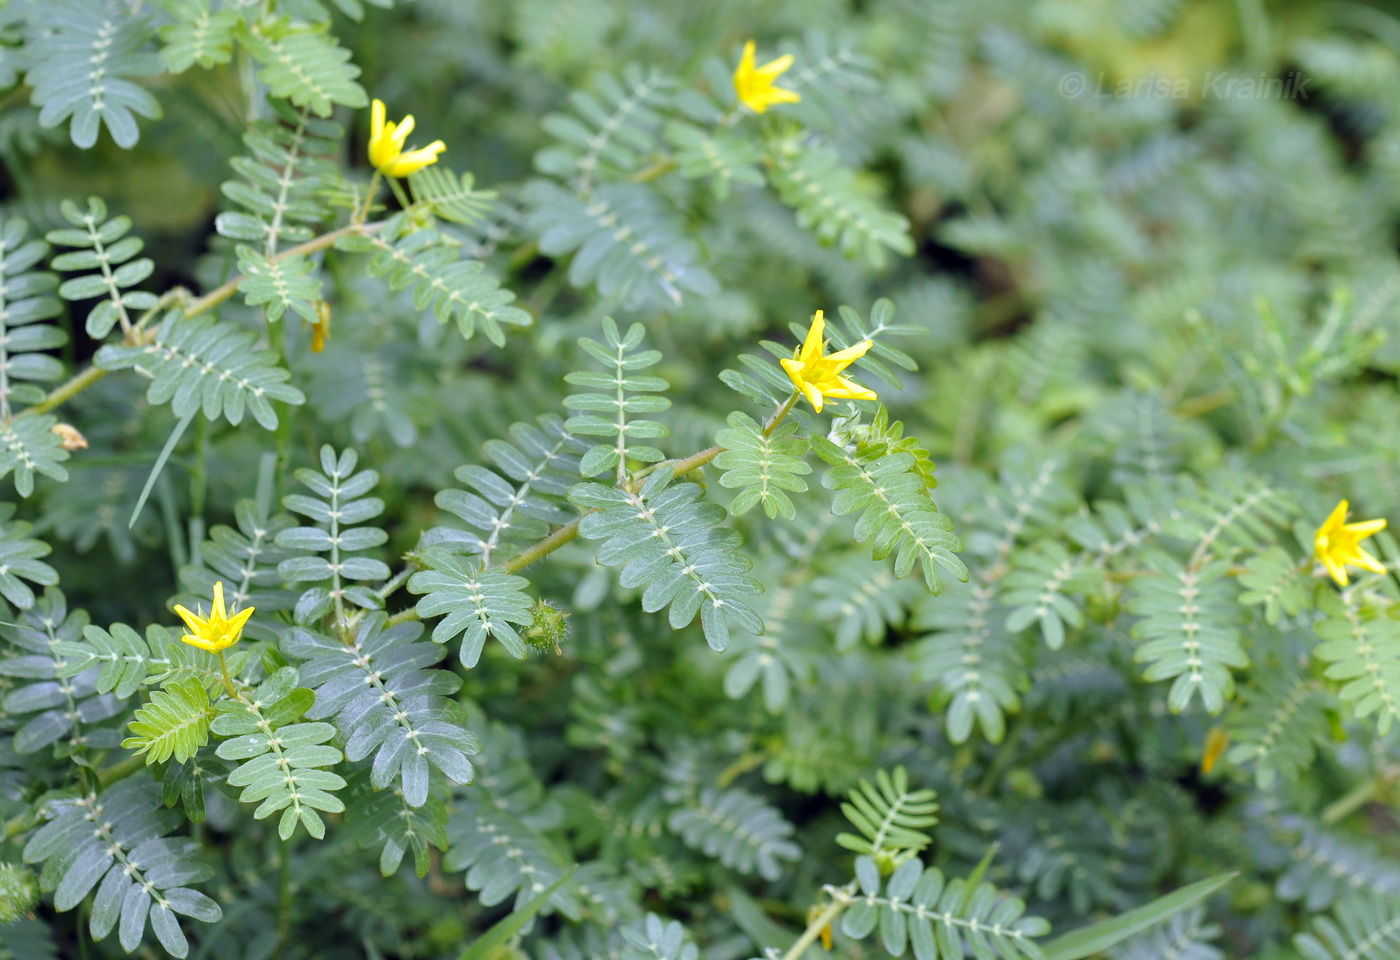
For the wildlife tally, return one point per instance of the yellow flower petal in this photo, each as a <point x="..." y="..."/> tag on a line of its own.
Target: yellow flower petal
<point x="1337" y="544"/>
<point x="386" y="145"/>
<point x="753" y="85"/>
<point x="237" y="621"/>
<point x="818" y="377"/>
<point x="773" y="69"/>
<point x="415" y="160"/>
<point x="195" y="623"/>
<point x="219" y="630"/>
<point x="1364" y="559"/>
<point x="812" y="346"/>
<point x="1365" y="528"/>
<point x="200" y="642"/>
<point x="850" y="390"/>
<point x="1338" y="572"/>
<point x="850" y="353"/>
<point x="376" y="120"/>
<point x="219" y="612"/>
<point x="746" y="61"/>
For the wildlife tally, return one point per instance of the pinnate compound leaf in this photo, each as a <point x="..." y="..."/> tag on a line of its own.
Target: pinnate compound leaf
<point x="198" y="363"/>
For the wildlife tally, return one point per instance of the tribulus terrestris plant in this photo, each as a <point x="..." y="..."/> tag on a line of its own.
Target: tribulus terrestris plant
<point x="625" y="480"/>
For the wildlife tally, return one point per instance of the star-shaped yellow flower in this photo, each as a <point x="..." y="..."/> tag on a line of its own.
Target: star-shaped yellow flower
<point x="818" y="376"/>
<point x="754" y="84"/>
<point x="386" y="140"/>
<point x="217" y="632"/>
<point x="1338" y="543"/>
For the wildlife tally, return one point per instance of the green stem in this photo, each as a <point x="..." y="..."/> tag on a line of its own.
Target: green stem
<point x="373" y="188"/>
<point x="80" y="382"/>
<point x="570" y="530"/>
<point x="397" y="581"/>
<point x="544" y="548"/>
<point x="1354" y="800"/>
<point x="840" y="900"/>
<point x="697" y="460"/>
<point x="664" y="165"/>
<point x="399" y="193"/>
<point x="223" y="675"/>
<point x="403" y="616"/>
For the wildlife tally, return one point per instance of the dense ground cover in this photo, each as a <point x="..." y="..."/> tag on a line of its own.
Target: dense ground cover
<point x="909" y="485"/>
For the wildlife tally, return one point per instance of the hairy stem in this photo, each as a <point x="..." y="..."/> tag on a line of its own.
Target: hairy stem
<point x="840" y="900"/>
<point x="569" y="531"/>
<point x="81" y="381"/>
<point x="223" y="675"/>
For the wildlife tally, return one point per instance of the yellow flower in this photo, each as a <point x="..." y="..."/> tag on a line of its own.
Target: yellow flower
<point x="1338" y="543"/>
<point x="386" y="140"/>
<point x="754" y="85"/>
<point x="819" y="376"/>
<point x="219" y="630"/>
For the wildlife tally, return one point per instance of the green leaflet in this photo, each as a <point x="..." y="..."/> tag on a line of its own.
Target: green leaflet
<point x="199" y="364"/>
<point x="277" y="287"/>
<point x="449" y="197"/>
<point x="762" y="467"/>
<point x="282" y="759"/>
<point x="613" y="130"/>
<point x="337" y="503"/>
<point x="1279" y="725"/>
<point x="1190" y="630"/>
<point x="739" y="829"/>
<point x="289" y="160"/>
<point x="1361" y="645"/>
<point x="60" y="705"/>
<point x="79" y="70"/>
<point x="829" y="201"/>
<point x="937" y="917"/>
<point x="385" y="817"/>
<point x="1278" y="582"/>
<point x="478" y="603"/>
<point x="27" y="445"/>
<point x="174" y="724"/>
<point x="512" y="506"/>
<point x="890" y="818"/>
<point x="623" y="241"/>
<point x="129" y="893"/>
<point x="200" y="36"/>
<point x="386" y="701"/>
<point x="455" y="288"/>
<point x="896" y="512"/>
<point x="629" y="392"/>
<point x="306" y="67"/>
<point x="102" y="244"/>
<point x="669" y="543"/>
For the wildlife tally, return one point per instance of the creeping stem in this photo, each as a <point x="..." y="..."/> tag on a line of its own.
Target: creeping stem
<point x="80" y="382"/>
<point x="696" y="460"/>
<point x="841" y="898"/>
